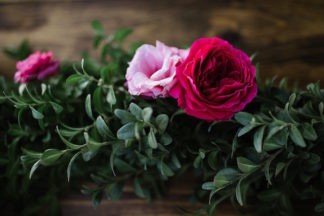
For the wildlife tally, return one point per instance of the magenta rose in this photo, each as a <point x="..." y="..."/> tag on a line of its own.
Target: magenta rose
<point x="215" y="80"/>
<point x="37" y="66"/>
<point x="152" y="71"/>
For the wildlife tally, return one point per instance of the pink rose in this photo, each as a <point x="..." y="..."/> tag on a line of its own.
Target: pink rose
<point x="152" y="71"/>
<point x="215" y="80"/>
<point x="37" y="66"/>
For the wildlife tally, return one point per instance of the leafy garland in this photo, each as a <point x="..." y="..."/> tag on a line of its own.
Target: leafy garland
<point x="84" y="123"/>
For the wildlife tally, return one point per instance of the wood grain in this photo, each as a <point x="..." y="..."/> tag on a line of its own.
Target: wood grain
<point x="179" y="193"/>
<point x="288" y="36"/>
<point x="129" y="205"/>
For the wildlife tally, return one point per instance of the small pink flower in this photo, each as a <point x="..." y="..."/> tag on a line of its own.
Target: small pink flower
<point x="152" y="71"/>
<point x="37" y="66"/>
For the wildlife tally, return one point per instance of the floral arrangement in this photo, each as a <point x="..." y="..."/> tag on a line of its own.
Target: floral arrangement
<point x="150" y="113"/>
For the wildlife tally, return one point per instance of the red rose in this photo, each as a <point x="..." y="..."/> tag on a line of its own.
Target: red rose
<point x="215" y="81"/>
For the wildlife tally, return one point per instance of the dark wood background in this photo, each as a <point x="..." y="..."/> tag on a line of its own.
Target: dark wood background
<point x="288" y="36"/>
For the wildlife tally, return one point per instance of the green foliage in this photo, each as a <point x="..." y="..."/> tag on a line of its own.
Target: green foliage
<point x="277" y="147"/>
<point x="19" y="53"/>
<point x="84" y="125"/>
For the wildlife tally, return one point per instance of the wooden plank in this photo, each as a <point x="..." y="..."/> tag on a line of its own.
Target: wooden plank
<point x="288" y="35"/>
<point x="129" y="205"/>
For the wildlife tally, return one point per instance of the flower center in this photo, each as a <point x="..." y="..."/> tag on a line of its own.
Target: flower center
<point x="211" y="72"/>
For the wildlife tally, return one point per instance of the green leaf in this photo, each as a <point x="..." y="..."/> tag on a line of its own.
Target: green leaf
<point x="147" y="113"/>
<point x="165" y="139"/>
<point x="43" y="87"/>
<point x="246" y="129"/>
<point x="257" y="139"/>
<point x="202" y="153"/>
<point x="296" y="136"/>
<point x="164" y="169"/>
<point x="177" y="113"/>
<point x="212" y="159"/>
<point x="97" y="39"/>
<point x="121" y="34"/>
<point x="314" y="159"/>
<point x="20" y="53"/>
<point x="267" y="170"/>
<point x="127" y="131"/>
<point x="70" y="133"/>
<point x="292" y="99"/>
<point x="283" y="83"/>
<point x="19" y="117"/>
<point x="124" y="116"/>
<point x="36" y="114"/>
<point x="319" y="207"/>
<point x="73" y="79"/>
<point x="280" y="166"/>
<point x="50" y="156"/>
<point x="243" y="118"/>
<point x="96" y="25"/>
<point x="66" y="142"/>
<point x="134" y="46"/>
<point x="94" y="146"/>
<point x="104" y="72"/>
<point x="109" y="49"/>
<point x="56" y="107"/>
<point x="138" y="129"/>
<point x="21" y="88"/>
<point x="68" y="171"/>
<point x="112" y="158"/>
<point x="41" y="124"/>
<point x="87" y="154"/>
<point x="197" y="161"/>
<point x="88" y="106"/>
<point x="225" y="176"/>
<point x="162" y="121"/>
<point x="175" y="161"/>
<point x="96" y="198"/>
<point x="15" y="130"/>
<point x="135" y="110"/>
<point x="238" y="193"/>
<point x="252" y="57"/>
<point x="123" y="167"/>
<point x="72" y="128"/>
<point x="277" y="141"/>
<point x="32" y="154"/>
<point x="208" y="186"/>
<point x="97" y="100"/>
<point x="33" y="169"/>
<point x="234" y="144"/>
<point x="245" y="165"/>
<point x="321" y="109"/>
<point x="274" y="130"/>
<point x="86" y="137"/>
<point x="309" y="132"/>
<point x="111" y="98"/>
<point x="138" y="190"/>
<point x="115" y="190"/>
<point x="103" y="129"/>
<point x="152" y="140"/>
<point x="285" y="203"/>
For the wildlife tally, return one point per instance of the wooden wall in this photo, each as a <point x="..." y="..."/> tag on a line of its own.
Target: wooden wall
<point x="288" y="35"/>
